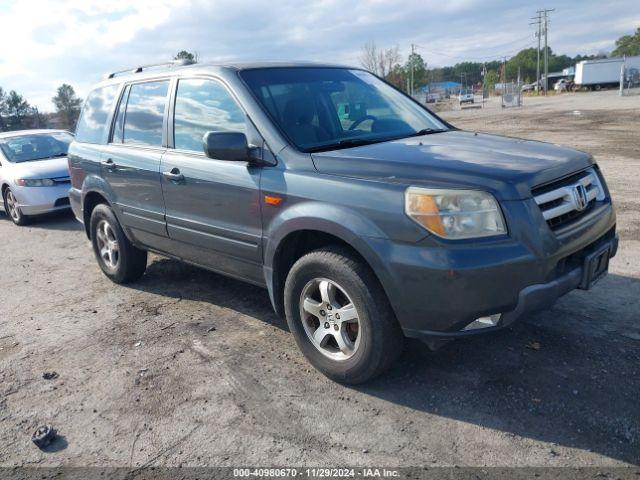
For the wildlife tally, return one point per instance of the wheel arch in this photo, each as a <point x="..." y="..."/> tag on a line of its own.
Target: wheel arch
<point x="3" y="188"/>
<point x="299" y="236"/>
<point x="90" y="200"/>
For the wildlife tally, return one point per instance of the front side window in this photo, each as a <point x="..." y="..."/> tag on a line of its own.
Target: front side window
<point x="145" y="112"/>
<point x="92" y="124"/>
<point x="329" y="108"/>
<point x="204" y="106"/>
<point x="26" y="148"/>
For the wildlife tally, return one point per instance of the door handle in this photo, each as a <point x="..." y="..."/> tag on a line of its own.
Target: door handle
<point x="174" y="175"/>
<point x="109" y="163"/>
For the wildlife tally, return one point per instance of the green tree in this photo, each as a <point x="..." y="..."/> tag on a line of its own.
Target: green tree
<point x="67" y="105"/>
<point x="397" y="77"/>
<point x="17" y="109"/>
<point x="184" y="55"/>
<point x="627" y="45"/>
<point x="490" y="79"/>
<point x="3" y="108"/>
<point x="419" y="69"/>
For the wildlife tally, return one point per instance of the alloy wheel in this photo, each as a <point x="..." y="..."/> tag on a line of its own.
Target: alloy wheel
<point x="108" y="244"/>
<point x="12" y="206"/>
<point x="330" y="319"/>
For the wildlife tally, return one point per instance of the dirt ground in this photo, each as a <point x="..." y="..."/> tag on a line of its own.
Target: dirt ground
<point x="186" y="367"/>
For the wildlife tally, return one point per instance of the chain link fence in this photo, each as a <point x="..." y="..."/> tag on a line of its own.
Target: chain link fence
<point x="630" y="82"/>
<point x="511" y="94"/>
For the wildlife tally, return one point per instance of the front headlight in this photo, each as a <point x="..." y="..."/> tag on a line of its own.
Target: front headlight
<point x="35" y="182"/>
<point x="455" y="214"/>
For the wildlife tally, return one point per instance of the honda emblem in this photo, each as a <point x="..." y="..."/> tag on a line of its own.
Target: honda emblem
<point x="580" y="197"/>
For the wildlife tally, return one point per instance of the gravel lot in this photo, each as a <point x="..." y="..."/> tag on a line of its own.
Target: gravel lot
<point x="186" y="367"/>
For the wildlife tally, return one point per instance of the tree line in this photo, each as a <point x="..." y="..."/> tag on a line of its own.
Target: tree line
<point x="387" y="63"/>
<point x="17" y="114"/>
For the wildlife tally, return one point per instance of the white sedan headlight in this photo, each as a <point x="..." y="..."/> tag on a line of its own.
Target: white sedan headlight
<point x="455" y="214"/>
<point x="35" y="182"/>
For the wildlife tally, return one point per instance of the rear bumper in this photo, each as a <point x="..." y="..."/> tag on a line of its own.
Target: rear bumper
<point x="75" y="199"/>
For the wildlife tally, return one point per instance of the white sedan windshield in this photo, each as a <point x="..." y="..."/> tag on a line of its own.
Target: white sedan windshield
<point x="26" y="148"/>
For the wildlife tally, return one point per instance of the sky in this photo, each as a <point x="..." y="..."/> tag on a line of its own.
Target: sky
<point x="49" y="42"/>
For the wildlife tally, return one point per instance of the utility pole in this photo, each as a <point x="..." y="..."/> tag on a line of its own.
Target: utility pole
<point x="544" y="17"/>
<point x="413" y="50"/>
<point x="538" y="21"/>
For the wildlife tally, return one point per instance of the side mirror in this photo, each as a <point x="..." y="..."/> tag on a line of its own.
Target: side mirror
<point x="232" y="146"/>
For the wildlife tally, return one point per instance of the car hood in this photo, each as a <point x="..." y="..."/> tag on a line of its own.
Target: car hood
<point x="49" y="168"/>
<point x="509" y="167"/>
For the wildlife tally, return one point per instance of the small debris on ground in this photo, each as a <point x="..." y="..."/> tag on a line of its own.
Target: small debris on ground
<point x="50" y="375"/>
<point x="210" y="329"/>
<point x="632" y="335"/>
<point x="137" y="344"/>
<point x="43" y="436"/>
<point x="534" y="345"/>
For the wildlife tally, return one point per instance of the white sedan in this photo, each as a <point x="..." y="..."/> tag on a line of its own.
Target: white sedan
<point x="34" y="174"/>
<point x="465" y="96"/>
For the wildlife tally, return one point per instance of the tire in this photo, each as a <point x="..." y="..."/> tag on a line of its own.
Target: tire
<point x="116" y="255"/>
<point x="349" y="352"/>
<point x="12" y="209"/>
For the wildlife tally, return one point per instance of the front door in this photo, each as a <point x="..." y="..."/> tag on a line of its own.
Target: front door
<point x="131" y="161"/>
<point x="212" y="206"/>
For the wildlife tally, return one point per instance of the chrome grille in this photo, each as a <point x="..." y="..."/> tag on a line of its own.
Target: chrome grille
<point x="570" y="198"/>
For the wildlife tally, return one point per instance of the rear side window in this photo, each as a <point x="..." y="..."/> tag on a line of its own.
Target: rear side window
<point x="118" y="128"/>
<point x="204" y="106"/>
<point x="92" y="125"/>
<point x="145" y="112"/>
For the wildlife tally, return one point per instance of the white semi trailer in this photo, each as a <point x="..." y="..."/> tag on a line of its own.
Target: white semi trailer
<point x="597" y="74"/>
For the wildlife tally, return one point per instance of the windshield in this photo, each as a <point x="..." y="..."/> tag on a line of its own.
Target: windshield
<point x="37" y="146"/>
<point x="328" y="108"/>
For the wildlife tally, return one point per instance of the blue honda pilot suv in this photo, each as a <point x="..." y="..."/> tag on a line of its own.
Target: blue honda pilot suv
<point x="366" y="217"/>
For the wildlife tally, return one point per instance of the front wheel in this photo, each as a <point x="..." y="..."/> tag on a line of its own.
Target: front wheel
<point x="340" y="316"/>
<point x="118" y="258"/>
<point x="12" y="209"/>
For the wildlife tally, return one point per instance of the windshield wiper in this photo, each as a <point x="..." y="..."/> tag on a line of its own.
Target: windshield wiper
<point x="427" y="131"/>
<point x="346" y="143"/>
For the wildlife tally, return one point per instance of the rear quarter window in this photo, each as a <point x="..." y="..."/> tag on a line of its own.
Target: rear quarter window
<point x="92" y="125"/>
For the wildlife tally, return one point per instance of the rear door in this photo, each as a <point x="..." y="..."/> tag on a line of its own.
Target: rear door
<point x="212" y="206"/>
<point x="131" y="160"/>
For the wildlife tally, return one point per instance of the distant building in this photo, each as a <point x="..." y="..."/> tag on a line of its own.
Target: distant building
<point x="442" y="87"/>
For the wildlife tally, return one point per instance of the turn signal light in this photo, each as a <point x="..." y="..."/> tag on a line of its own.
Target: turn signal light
<point x="272" y="200"/>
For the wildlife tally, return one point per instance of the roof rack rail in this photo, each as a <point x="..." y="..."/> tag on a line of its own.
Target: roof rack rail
<point x="174" y="63"/>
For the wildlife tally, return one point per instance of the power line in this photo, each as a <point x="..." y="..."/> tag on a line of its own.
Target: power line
<point x="469" y="57"/>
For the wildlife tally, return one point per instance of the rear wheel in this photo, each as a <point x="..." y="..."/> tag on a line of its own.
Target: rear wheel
<point x="340" y="316"/>
<point x="118" y="258"/>
<point x="12" y="209"/>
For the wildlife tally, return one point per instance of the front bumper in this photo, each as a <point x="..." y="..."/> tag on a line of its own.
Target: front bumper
<point x="530" y="299"/>
<point x="40" y="200"/>
<point x="437" y="289"/>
